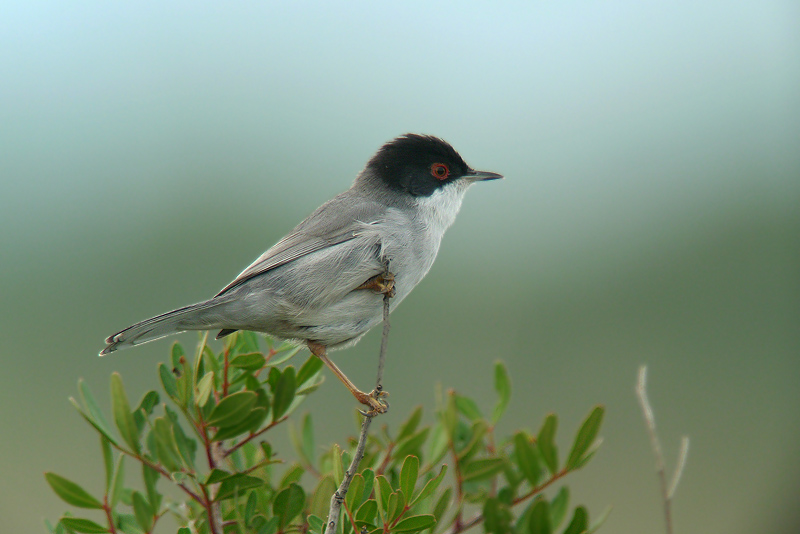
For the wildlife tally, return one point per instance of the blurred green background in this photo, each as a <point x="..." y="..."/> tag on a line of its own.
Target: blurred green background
<point x="149" y="151"/>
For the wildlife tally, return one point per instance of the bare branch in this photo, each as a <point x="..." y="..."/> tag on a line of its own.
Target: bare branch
<point x="338" y="496"/>
<point x="676" y="476"/>
<point x="667" y="492"/>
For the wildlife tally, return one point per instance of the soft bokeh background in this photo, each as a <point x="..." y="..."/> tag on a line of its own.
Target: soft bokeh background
<point x="651" y="214"/>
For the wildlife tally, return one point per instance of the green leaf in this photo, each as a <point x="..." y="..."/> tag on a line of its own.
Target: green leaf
<point x="204" y="388"/>
<point x="288" y="504"/>
<point x="187" y="447"/>
<point x="412" y="444"/>
<point x="443" y="503"/>
<point x="108" y="460"/>
<point x="97" y="426"/>
<point x="408" y="476"/>
<point x="585" y="437"/>
<point x="315" y="524"/>
<point x="284" y="353"/>
<point x="235" y="483"/>
<point x="321" y="498"/>
<point x="482" y="468"/>
<point x="526" y="459"/>
<point x="166" y="447"/>
<point x="126" y="523"/>
<point x="142" y="511"/>
<point x="588" y="456"/>
<point x="539" y="521"/>
<point x="468" y="407"/>
<point x="291" y="476"/>
<point x="597" y="523"/>
<point x="395" y="506"/>
<point x="559" y="506"/>
<point x="184" y="381"/>
<point x="58" y="529"/>
<point x="252" y="422"/>
<point x="118" y="482"/>
<point x="177" y="354"/>
<point x="431" y="486"/>
<point x="308" y="370"/>
<point x="246" y="341"/>
<point x="151" y="477"/>
<point x="497" y="517"/>
<point x="382" y="492"/>
<point x="502" y="384"/>
<point x="77" y="524"/>
<point x="579" y="523"/>
<point x="475" y="444"/>
<point x="366" y="512"/>
<point x="251" y="361"/>
<point x="216" y="475"/>
<point x="310" y="386"/>
<point x="415" y="523"/>
<point x="411" y="424"/>
<point x="94" y="415"/>
<point x="336" y="461"/>
<point x="369" y="482"/>
<point x="308" y="439"/>
<point x="449" y="416"/>
<point x="168" y="381"/>
<point x="545" y="441"/>
<point x="122" y="414"/>
<point x="145" y="409"/>
<point x="354" y="492"/>
<point x="437" y="447"/>
<point x="211" y="361"/>
<point x="232" y="409"/>
<point x="263" y="526"/>
<point x="303" y="440"/>
<point x="71" y="493"/>
<point x="283" y="393"/>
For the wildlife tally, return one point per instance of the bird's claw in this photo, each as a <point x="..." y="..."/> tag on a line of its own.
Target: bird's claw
<point x="376" y="400"/>
<point x="381" y="283"/>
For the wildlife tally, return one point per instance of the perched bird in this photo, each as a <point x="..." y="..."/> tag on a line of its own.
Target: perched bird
<point x="323" y="284"/>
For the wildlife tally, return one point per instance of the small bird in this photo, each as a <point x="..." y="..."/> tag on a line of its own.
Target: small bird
<point x="324" y="283"/>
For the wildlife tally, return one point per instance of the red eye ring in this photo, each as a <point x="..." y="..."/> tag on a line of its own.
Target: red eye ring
<point x="440" y="171"/>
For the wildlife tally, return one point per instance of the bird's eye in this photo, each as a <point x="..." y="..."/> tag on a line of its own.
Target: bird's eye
<point x="440" y="171"/>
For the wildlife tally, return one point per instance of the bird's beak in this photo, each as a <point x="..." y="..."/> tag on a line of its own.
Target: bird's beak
<point x="477" y="176"/>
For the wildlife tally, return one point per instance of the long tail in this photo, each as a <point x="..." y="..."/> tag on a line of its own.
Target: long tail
<point x="201" y="316"/>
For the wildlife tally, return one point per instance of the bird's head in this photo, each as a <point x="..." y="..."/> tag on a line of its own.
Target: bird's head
<point x="421" y="165"/>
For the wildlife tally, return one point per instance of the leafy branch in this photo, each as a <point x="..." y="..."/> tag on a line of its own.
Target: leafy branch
<point x="207" y="433"/>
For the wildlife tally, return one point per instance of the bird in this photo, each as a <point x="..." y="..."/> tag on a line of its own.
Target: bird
<point x="323" y="284"/>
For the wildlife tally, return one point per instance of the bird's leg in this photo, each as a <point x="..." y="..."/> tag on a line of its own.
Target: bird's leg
<point x="373" y="399"/>
<point x="382" y="283"/>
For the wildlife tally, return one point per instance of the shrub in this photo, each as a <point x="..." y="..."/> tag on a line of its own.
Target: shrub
<point x="210" y="441"/>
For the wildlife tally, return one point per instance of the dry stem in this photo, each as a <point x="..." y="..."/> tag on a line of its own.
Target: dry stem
<point x="667" y="491"/>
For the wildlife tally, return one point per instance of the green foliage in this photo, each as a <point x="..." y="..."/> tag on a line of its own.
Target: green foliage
<point x="209" y="440"/>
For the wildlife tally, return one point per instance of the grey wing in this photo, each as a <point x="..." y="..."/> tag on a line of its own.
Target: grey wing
<point x="342" y="219"/>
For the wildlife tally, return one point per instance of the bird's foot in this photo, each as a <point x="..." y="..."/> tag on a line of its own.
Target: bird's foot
<point x="381" y="283"/>
<point x="376" y="400"/>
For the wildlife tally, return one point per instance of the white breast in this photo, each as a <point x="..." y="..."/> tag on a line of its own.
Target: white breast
<point x="411" y="238"/>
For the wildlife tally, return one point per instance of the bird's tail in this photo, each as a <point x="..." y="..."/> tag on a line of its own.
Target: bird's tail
<point x="201" y="316"/>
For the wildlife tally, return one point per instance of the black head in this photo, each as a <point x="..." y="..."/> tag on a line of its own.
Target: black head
<point x="420" y="164"/>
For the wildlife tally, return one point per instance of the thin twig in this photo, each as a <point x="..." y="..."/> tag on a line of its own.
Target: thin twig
<point x="112" y="529"/>
<point x="667" y="492"/>
<point x="338" y="496"/>
<point x="251" y="437"/>
<point x="160" y="470"/>
<point x="218" y="456"/>
<point x="676" y="476"/>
